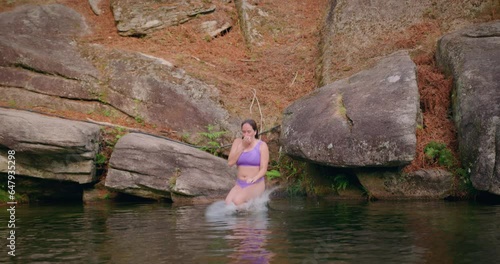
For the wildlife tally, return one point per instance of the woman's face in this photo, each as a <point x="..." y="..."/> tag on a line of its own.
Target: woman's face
<point x="247" y="131"/>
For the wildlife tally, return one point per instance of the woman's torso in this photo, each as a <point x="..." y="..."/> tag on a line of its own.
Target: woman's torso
<point x="249" y="162"/>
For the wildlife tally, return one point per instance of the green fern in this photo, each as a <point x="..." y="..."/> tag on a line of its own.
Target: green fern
<point x="213" y="137"/>
<point x="340" y="182"/>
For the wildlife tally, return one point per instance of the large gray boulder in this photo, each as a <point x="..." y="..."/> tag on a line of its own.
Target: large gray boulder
<point x="139" y="18"/>
<point x="472" y="57"/>
<point x="156" y="168"/>
<point x="39" y="37"/>
<point x="37" y="52"/>
<point x="49" y="147"/>
<point x="55" y="72"/>
<point x="368" y="119"/>
<point x="40" y="63"/>
<point x="154" y="90"/>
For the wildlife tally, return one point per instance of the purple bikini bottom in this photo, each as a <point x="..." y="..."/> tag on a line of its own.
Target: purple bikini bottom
<point x="243" y="183"/>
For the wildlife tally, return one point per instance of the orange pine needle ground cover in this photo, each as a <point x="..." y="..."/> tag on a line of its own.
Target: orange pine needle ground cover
<point x="435" y="94"/>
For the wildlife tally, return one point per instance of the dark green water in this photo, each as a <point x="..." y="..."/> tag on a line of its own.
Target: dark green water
<point x="291" y="231"/>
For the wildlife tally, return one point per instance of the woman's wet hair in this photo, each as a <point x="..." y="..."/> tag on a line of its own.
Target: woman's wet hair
<point x="252" y="123"/>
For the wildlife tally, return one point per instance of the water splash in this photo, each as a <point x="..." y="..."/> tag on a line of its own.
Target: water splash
<point x="254" y="206"/>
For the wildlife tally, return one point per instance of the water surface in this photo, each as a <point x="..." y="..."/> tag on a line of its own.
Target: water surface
<point x="290" y="231"/>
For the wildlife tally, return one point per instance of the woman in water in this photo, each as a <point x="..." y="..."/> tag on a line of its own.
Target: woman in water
<point x="251" y="155"/>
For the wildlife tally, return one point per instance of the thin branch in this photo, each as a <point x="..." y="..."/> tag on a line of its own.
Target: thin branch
<point x="207" y="63"/>
<point x="111" y="125"/>
<point x="258" y="104"/>
<point x="293" y="81"/>
<point x="249" y="60"/>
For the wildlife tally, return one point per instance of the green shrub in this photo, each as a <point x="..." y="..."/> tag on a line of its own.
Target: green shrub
<point x="291" y="173"/>
<point x="273" y="174"/>
<point x="438" y="152"/>
<point x="100" y="159"/>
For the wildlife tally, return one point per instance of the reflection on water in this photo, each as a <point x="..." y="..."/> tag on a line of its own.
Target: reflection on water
<point x="248" y="233"/>
<point x="247" y="224"/>
<point x="250" y="239"/>
<point x="287" y="231"/>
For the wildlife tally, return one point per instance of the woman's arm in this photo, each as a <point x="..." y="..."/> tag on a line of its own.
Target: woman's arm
<point x="236" y="150"/>
<point x="264" y="160"/>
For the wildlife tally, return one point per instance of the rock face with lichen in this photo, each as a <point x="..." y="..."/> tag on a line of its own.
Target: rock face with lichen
<point x="368" y="119"/>
<point x="472" y="57"/>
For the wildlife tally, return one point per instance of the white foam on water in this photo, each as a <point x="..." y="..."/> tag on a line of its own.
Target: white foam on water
<point x="254" y="206"/>
<point x="220" y="208"/>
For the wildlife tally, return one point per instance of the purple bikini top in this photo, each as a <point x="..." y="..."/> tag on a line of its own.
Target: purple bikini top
<point x="250" y="158"/>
